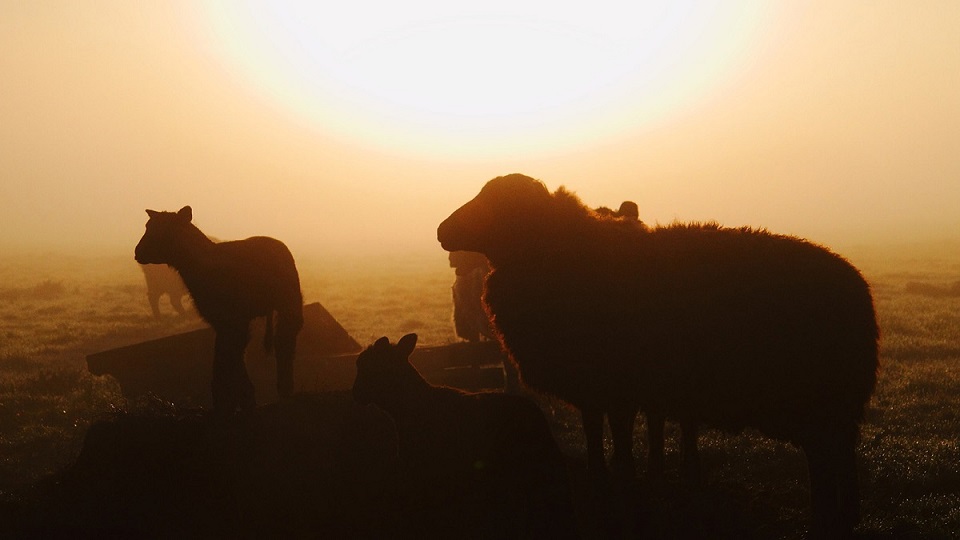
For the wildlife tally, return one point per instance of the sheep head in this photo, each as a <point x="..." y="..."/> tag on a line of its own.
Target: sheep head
<point x="159" y="241"/>
<point x="501" y="221"/>
<point x="383" y="368"/>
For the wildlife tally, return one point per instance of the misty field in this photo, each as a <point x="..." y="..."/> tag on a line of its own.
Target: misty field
<point x="54" y="310"/>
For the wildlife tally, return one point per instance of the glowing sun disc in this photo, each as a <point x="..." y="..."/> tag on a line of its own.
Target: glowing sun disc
<point x="443" y="76"/>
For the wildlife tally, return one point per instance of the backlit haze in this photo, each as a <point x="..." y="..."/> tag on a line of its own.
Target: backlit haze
<point x="358" y="126"/>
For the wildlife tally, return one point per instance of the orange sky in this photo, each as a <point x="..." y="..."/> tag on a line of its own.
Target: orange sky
<point x="362" y="129"/>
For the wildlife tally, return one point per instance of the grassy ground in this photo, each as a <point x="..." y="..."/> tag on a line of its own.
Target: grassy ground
<point x="55" y="310"/>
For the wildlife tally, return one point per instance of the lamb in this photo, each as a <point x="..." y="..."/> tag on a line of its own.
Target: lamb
<point x="725" y="327"/>
<point x="483" y="463"/>
<point x="231" y="284"/>
<point x="163" y="280"/>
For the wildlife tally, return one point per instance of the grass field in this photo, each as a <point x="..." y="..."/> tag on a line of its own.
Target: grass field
<point x="54" y="310"/>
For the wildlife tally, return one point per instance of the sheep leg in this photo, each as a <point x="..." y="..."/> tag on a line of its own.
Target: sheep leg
<point x="655" y="425"/>
<point x="621" y="429"/>
<point x="231" y="385"/>
<point x="848" y="485"/>
<point x="690" y="453"/>
<point x="834" y="493"/>
<point x="245" y="391"/>
<point x="844" y="454"/>
<point x="285" y="354"/>
<point x="224" y="400"/>
<point x="593" y="430"/>
<point x="154" y="298"/>
<point x="823" y="466"/>
<point x="286" y="343"/>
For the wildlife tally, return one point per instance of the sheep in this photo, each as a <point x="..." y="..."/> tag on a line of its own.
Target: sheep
<point x="469" y="318"/>
<point x="656" y="422"/>
<point x="725" y="327"/>
<point x="162" y="280"/>
<point x="483" y="463"/>
<point x="628" y="211"/>
<point x="231" y="284"/>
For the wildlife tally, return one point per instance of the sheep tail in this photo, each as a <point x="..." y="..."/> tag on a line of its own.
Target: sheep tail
<point x="268" y="333"/>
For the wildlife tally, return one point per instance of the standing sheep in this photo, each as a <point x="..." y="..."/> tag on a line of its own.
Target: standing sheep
<point x="479" y="465"/>
<point x="163" y="280"/>
<point x="628" y="211"/>
<point x="469" y="318"/>
<point x="708" y="325"/>
<point x="231" y="284"/>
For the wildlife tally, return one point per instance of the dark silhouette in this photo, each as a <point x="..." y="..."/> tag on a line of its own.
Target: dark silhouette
<point x="484" y="464"/>
<point x="469" y="317"/>
<point x="313" y="466"/>
<point x="231" y="284"/>
<point x="628" y="211"/>
<point x="705" y="324"/>
<point x="656" y="422"/>
<point x="163" y="280"/>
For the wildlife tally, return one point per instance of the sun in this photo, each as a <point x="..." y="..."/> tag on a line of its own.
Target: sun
<point x="497" y="76"/>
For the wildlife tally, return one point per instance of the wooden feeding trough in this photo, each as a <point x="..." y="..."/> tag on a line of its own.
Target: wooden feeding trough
<point x="179" y="368"/>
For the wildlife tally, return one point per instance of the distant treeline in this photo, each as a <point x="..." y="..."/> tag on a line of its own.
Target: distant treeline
<point x="930" y="289"/>
<point x="45" y="290"/>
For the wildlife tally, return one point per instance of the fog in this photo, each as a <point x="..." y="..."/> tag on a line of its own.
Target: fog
<point x="836" y="122"/>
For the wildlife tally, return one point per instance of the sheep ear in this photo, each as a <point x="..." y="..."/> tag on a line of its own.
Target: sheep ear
<point x="186" y="213"/>
<point x="152" y="213"/>
<point x="407" y="343"/>
<point x="381" y="343"/>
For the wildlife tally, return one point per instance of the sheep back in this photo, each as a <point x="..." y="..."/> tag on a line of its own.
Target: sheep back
<point x="731" y="327"/>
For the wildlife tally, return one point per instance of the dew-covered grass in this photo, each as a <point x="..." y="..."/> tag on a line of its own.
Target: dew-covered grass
<point x="55" y="310"/>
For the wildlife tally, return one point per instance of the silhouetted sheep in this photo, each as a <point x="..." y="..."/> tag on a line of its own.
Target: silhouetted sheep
<point x="656" y="422"/>
<point x="313" y="466"/>
<point x="725" y="327"/>
<point x="628" y="211"/>
<point x="469" y="317"/>
<point x="163" y="280"/>
<point x="231" y="284"/>
<point x="483" y="464"/>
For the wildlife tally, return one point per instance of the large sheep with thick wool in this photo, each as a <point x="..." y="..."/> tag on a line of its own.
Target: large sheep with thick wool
<point x="709" y="325"/>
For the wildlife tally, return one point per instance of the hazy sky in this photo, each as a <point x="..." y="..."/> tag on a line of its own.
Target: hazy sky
<point x="362" y="126"/>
